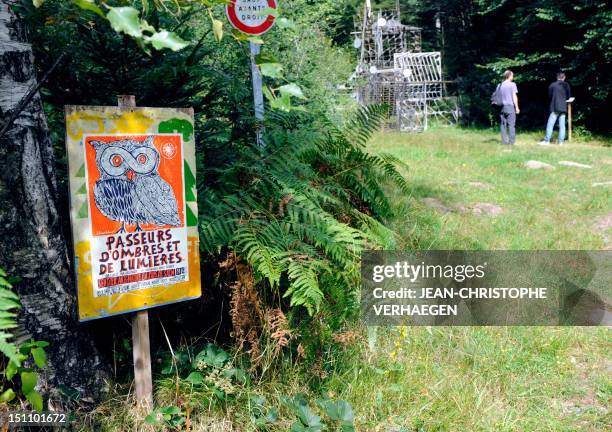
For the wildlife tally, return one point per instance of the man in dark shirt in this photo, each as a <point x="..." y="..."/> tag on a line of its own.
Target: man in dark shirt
<point x="559" y="92"/>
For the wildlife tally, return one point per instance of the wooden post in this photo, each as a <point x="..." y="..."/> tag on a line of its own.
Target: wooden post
<point x="569" y="121"/>
<point x="141" y="348"/>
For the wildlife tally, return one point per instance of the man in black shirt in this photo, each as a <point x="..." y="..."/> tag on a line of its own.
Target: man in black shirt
<point x="558" y="92"/>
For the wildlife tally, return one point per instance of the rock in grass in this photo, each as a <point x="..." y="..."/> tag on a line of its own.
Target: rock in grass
<point x="599" y="184"/>
<point x="534" y="164"/>
<point x="487" y="209"/>
<point x="575" y="164"/>
<point x="480" y="185"/>
<point x="435" y="203"/>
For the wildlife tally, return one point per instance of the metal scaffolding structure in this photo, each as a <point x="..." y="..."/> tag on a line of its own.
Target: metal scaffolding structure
<point x="393" y="71"/>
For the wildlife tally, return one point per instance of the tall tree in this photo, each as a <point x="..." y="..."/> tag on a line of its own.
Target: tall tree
<point x="32" y="245"/>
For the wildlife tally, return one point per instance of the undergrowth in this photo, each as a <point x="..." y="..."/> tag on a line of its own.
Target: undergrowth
<point x="289" y="222"/>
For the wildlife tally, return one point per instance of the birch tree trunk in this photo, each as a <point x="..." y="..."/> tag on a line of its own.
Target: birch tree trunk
<point x="32" y="245"/>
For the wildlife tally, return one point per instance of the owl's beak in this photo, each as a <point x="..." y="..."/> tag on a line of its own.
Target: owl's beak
<point x="130" y="175"/>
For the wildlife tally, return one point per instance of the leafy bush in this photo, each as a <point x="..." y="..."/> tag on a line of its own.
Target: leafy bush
<point x="17" y="356"/>
<point x="300" y="211"/>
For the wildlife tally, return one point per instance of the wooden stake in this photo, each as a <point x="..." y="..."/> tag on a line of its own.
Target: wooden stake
<point x="142" y="359"/>
<point x="141" y="348"/>
<point x="569" y="121"/>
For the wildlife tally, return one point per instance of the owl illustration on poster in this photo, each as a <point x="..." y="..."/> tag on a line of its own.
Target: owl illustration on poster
<point x="135" y="183"/>
<point x="130" y="189"/>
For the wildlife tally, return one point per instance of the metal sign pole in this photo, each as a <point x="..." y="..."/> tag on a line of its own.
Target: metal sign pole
<point x="258" y="98"/>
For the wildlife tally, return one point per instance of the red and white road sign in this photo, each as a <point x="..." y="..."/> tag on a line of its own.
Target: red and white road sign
<point x="251" y="16"/>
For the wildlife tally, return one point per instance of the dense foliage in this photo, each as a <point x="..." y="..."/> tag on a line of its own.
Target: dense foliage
<point x="297" y="212"/>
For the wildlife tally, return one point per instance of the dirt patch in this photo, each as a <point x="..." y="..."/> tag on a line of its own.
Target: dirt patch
<point x="486" y="209"/>
<point x="436" y="204"/>
<point x="588" y="399"/>
<point x="481" y="185"/>
<point x="603" y="226"/>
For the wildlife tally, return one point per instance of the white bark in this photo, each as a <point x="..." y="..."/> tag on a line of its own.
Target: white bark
<point x="32" y="246"/>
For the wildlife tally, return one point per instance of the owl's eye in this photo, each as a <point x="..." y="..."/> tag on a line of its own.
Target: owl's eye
<point x="116" y="160"/>
<point x="142" y="158"/>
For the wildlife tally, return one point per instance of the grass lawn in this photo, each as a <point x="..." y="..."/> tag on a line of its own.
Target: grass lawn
<point x="496" y="378"/>
<point x="460" y="379"/>
<point x="542" y="209"/>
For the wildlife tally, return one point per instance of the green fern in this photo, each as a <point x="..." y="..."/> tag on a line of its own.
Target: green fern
<point x="8" y="319"/>
<point x="302" y="210"/>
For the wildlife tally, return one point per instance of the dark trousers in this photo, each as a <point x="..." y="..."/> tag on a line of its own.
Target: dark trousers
<point x="508" y="124"/>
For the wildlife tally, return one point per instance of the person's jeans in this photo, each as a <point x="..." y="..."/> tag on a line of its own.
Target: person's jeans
<point x="550" y="126"/>
<point x="508" y="124"/>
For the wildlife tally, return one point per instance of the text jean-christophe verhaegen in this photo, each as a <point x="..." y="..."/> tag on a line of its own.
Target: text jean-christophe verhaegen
<point x="484" y="287"/>
<point x="459" y="273"/>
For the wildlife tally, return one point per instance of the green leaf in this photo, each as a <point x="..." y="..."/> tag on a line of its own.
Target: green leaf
<point x="10" y="351"/>
<point x="265" y="57"/>
<point x="89" y="5"/>
<point x="195" y="378"/>
<point x="165" y="39"/>
<point x="270" y="11"/>
<point x="35" y="399"/>
<point x="7" y="396"/>
<point x="339" y="410"/>
<point x="256" y="40"/>
<point x="40" y="357"/>
<point x="170" y="410"/>
<point x="272" y="415"/>
<point x="11" y="369"/>
<point x="213" y="356"/>
<point x="152" y="418"/>
<point x="292" y="90"/>
<point x="28" y="381"/>
<point x="217" y="27"/>
<point x="272" y="70"/>
<point x="299" y="406"/>
<point x="145" y="26"/>
<point x="125" y="20"/>
<point x="40" y="344"/>
<point x="285" y="23"/>
<point x="38" y="3"/>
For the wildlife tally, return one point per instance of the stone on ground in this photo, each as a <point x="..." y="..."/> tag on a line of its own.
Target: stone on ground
<point x="487" y="209"/>
<point x="575" y="164"/>
<point x="599" y="184"/>
<point x="534" y="164"/>
<point x="435" y="203"/>
<point x="481" y="185"/>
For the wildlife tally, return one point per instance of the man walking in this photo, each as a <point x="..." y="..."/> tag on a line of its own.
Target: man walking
<point x="559" y="92"/>
<point x="510" y="108"/>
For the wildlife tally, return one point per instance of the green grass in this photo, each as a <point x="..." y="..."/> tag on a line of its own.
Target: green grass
<point x="543" y="209"/>
<point x="483" y="379"/>
<point x="461" y="378"/>
<point x="497" y="378"/>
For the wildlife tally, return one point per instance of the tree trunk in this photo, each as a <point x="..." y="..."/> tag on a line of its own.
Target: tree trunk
<point x="32" y="245"/>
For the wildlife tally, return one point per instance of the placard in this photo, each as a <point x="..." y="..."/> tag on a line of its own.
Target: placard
<point x="252" y="17"/>
<point x="133" y="208"/>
